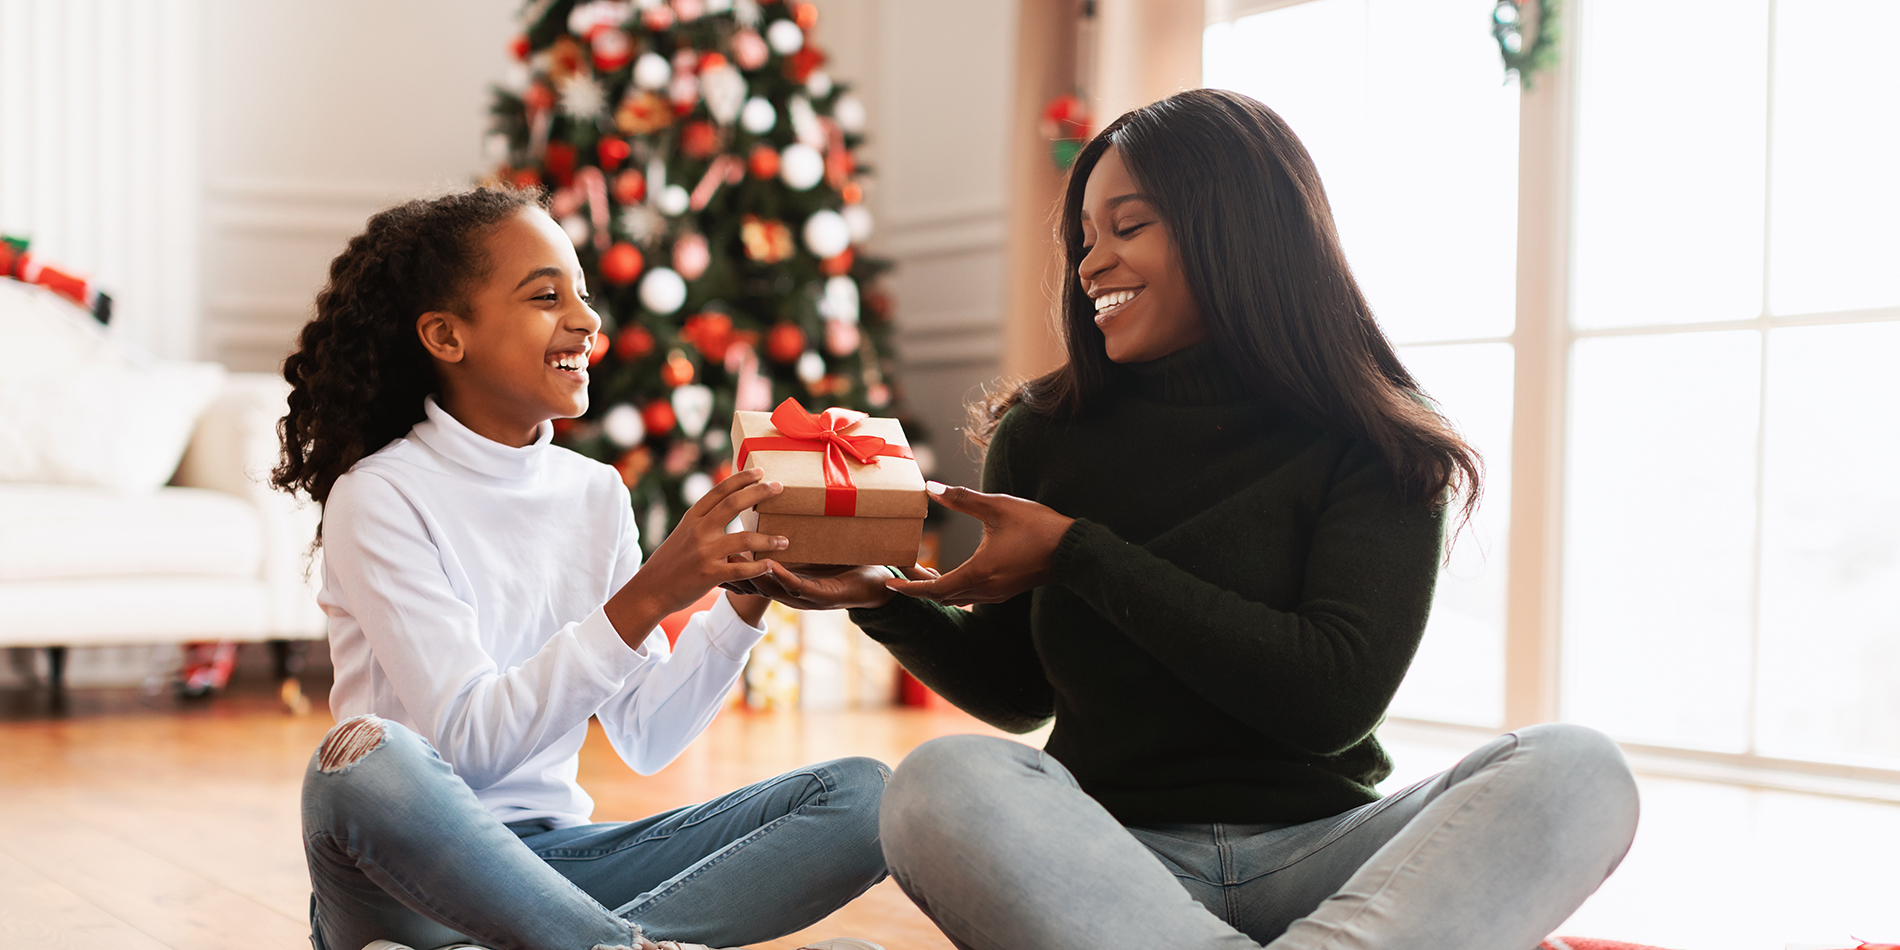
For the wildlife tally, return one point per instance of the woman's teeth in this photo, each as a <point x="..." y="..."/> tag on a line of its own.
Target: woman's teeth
<point x="1110" y="301"/>
<point x="573" y="362"/>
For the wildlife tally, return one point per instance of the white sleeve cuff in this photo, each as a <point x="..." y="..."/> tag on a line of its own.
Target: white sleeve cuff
<point x="602" y="641"/>
<point x="727" y="632"/>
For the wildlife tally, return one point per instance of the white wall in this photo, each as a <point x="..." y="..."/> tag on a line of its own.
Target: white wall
<point x="98" y="153"/>
<point x="316" y="115"/>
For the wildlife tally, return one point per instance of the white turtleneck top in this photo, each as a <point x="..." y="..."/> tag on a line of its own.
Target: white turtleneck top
<point x="464" y="582"/>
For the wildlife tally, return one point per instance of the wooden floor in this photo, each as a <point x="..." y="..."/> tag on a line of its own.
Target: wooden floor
<point x="133" y="822"/>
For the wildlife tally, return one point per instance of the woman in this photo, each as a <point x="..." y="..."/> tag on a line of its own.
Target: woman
<point x="1210" y="541"/>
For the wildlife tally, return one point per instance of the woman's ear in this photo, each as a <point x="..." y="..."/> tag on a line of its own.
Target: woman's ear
<point x="437" y="331"/>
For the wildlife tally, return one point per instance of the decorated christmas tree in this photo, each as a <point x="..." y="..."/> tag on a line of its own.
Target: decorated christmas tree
<point x="701" y="159"/>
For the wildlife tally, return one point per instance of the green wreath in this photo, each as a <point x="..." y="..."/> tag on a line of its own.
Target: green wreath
<point x="1507" y="27"/>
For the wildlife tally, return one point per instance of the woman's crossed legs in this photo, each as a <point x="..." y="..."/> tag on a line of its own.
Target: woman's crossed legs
<point x="400" y="849"/>
<point x="997" y="843"/>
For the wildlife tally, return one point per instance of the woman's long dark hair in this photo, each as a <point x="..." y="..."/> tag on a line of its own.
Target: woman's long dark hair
<point x="1255" y="237"/>
<point x="359" y="373"/>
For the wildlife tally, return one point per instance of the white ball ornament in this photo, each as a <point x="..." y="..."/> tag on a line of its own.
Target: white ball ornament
<point x="800" y="166"/>
<point x="849" y="111"/>
<point x="673" y="200"/>
<point x="810" y="368"/>
<point x="694" y="487"/>
<point x="840" y="300"/>
<point x="577" y="229"/>
<point x="652" y="71"/>
<point x="623" y="426"/>
<point x="662" y="290"/>
<point x="784" y="37"/>
<point x="818" y="83"/>
<point x="693" y="406"/>
<point x="858" y="218"/>
<point x="758" y="116"/>
<point x="826" y="233"/>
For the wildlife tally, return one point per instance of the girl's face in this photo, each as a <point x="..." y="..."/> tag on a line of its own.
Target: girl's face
<point x="519" y="358"/>
<point x="1130" y="269"/>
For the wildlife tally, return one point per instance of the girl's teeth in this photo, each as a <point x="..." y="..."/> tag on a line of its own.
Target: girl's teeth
<point x="1116" y="299"/>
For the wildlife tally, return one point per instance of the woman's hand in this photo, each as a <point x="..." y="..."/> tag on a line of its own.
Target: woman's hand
<point x="698" y="556"/>
<point x="826" y="586"/>
<point x="1016" y="554"/>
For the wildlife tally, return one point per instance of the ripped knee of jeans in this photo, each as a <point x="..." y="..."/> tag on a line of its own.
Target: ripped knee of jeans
<point x="350" y="741"/>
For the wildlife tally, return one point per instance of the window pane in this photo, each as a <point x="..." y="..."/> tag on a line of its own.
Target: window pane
<point x="1458" y="675"/>
<point x="1670" y="161"/>
<point x="1835" y="242"/>
<point x="1659" y="536"/>
<point x="1403" y="107"/>
<point x="1830" y="622"/>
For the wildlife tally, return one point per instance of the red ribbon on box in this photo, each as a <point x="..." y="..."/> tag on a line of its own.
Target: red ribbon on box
<point x="803" y="431"/>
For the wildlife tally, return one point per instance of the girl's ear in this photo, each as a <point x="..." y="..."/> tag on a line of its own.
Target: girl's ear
<point x="437" y="331"/>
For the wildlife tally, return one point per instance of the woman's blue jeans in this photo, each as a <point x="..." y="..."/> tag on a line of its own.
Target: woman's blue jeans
<point x="399" y="849"/>
<point x="998" y="844"/>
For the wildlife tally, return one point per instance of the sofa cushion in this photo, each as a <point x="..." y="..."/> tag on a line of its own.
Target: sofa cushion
<point x="67" y="532"/>
<point x="132" y="610"/>
<point x="78" y="407"/>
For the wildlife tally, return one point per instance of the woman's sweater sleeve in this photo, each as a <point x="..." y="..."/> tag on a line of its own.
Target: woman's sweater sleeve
<point x="1317" y="677"/>
<point x="982" y="660"/>
<point x="385" y="574"/>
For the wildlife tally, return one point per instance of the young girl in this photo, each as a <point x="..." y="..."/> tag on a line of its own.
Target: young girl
<point x="483" y="600"/>
<point x="1210" y="541"/>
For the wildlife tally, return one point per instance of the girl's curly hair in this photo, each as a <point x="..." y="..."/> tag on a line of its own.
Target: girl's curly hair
<point x="359" y="373"/>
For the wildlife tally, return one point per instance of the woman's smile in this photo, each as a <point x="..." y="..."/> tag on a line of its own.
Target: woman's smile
<point x="1108" y="303"/>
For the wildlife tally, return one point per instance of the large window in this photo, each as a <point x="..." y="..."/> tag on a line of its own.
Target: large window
<point x="1415" y="137"/>
<point x="1727" y="510"/>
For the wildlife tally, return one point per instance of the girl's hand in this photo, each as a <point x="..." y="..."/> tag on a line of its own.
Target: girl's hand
<point x="1016" y="554"/>
<point x="826" y="587"/>
<point x="697" y="557"/>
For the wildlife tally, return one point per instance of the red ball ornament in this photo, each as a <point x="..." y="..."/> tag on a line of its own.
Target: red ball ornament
<point x="621" y="264"/>
<point x="801" y="64"/>
<point x="699" y="140"/>
<point x="678" y="370"/>
<point x="612" y="152"/>
<point x="806" y="15"/>
<point x="785" y="343"/>
<point x="526" y="179"/>
<point x="709" y="333"/>
<point x="659" y="418"/>
<point x="711" y="61"/>
<point x="764" y="162"/>
<point x="633" y="343"/>
<point x="613" y="48"/>
<point x="629" y="187"/>
<point x="520" y="48"/>
<point x="598" y="351"/>
<point x="837" y="265"/>
<point x="560" y="163"/>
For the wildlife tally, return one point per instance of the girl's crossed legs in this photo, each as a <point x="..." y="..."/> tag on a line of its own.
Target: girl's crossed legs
<point x="997" y="843"/>
<point x="400" y="849"/>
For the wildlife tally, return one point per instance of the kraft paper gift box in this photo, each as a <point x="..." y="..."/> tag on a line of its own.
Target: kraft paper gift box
<point x="853" y="494"/>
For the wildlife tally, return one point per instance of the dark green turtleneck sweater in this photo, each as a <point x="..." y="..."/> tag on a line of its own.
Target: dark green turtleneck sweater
<point x="1231" y="613"/>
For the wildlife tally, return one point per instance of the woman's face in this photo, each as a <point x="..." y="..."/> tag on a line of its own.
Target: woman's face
<point x="1131" y="270"/>
<point x="521" y="353"/>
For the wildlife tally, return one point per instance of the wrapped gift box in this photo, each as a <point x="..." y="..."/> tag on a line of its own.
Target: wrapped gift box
<point x="853" y="494"/>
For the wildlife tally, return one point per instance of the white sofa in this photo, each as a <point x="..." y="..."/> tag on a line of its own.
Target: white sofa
<point x="215" y="554"/>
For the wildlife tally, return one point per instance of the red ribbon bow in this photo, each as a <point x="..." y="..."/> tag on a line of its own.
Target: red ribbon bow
<point x="802" y="431"/>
